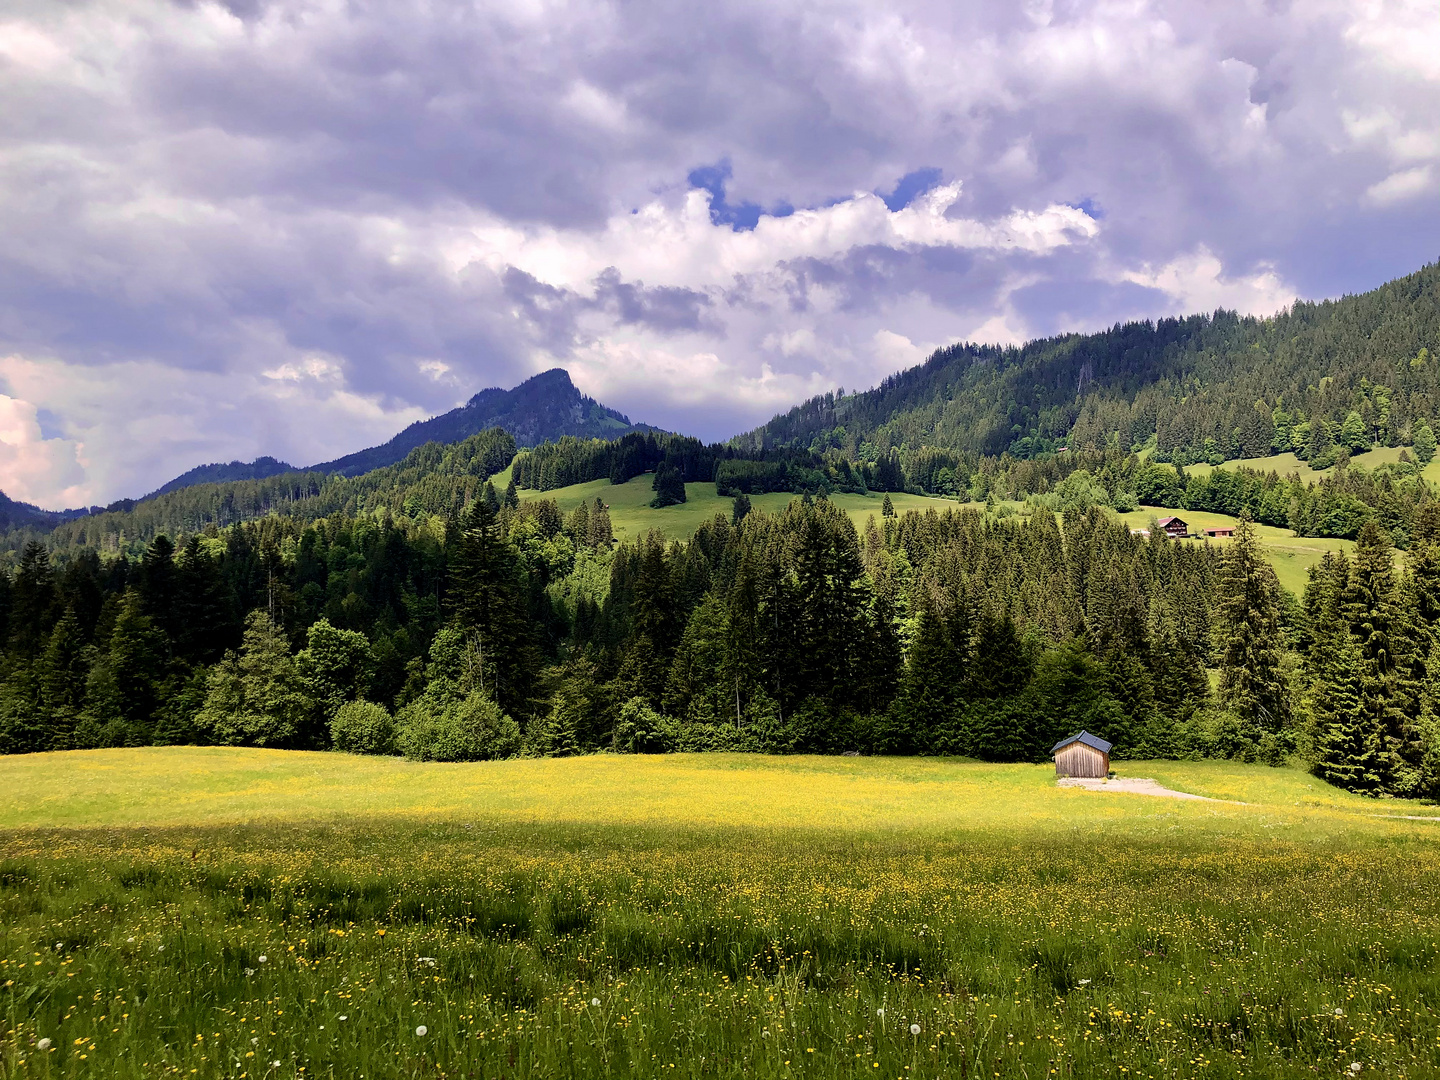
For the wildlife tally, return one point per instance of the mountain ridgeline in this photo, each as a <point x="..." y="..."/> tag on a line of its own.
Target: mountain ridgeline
<point x="542" y="409"/>
<point x="1314" y="379"/>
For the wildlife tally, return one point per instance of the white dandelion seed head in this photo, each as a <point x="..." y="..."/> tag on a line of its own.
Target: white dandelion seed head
<point x="344" y="1018"/>
<point x="60" y="945"/>
<point x="914" y="1029"/>
<point x="422" y="1031"/>
<point x="594" y="1001"/>
<point x="161" y="948"/>
<point x="1355" y="1067"/>
<point x="1339" y="1012"/>
<point x="765" y="1033"/>
<point x="274" y="1064"/>
<point x="43" y="1044"/>
<point x="880" y="1012"/>
<point x="130" y="938"/>
<point x="254" y="1042"/>
<point x="263" y="959"/>
<point x="249" y="971"/>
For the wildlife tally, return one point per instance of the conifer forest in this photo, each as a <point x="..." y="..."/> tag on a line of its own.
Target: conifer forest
<point x="422" y="608"/>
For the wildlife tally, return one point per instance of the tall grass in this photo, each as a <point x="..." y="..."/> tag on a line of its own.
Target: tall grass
<point x="1137" y="938"/>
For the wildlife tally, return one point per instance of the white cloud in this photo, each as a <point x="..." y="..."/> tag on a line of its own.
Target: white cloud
<point x="1198" y="283"/>
<point x="125" y="425"/>
<point x="37" y="469"/>
<point x="1398" y="186"/>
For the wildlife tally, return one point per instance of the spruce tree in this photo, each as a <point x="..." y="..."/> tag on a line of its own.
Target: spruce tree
<point x="1252" y="680"/>
<point x="512" y="495"/>
<point x="1348" y="737"/>
<point x="158" y="585"/>
<point x="62" y="671"/>
<point x="739" y="508"/>
<point x="601" y="535"/>
<point x="137" y="660"/>
<point x="487" y="595"/>
<point x="488" y="496"/>
<point x="205" y="625"/>
<point x="1370" y="606"/>
<point x="33" y="600"/>
<point x="937" y="666"/>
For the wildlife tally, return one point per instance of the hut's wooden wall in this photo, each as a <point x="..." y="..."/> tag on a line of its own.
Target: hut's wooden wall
<point x="1077" y="759"/>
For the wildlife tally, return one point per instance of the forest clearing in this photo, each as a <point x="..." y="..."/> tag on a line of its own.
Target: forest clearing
<point x="260" y="913"/>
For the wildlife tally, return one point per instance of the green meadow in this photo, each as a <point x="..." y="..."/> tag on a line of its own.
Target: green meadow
<point x="632" y="516"/>
<point x="249" y="913"/>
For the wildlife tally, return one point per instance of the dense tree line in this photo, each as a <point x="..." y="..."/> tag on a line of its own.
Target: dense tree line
<point x="505" y="629"/>
<point x="579" y="461"/>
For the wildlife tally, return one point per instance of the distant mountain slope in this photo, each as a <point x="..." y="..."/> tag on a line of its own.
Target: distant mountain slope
<point x="430" y="480"/>
<point x="541" y="409"/>
<point x="21" y="515"/>
<point x="259" y="469"/>
<point x="1205" y="387"/>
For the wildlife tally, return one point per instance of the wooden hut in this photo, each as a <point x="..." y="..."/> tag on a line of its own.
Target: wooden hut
<point x="1174" y="527"/>
<point x="1221" y="530"/>
<point x="1082" y="755"/>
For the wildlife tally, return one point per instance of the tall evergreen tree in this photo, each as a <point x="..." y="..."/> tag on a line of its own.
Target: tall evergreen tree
<point x="62" y="671"/>
<point x="33" y="600"/>
<point x="487" y="595"/>
<point x="1252" y="679"/>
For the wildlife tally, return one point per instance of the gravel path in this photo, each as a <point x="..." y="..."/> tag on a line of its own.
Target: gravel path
<point x="1130" y="786"/>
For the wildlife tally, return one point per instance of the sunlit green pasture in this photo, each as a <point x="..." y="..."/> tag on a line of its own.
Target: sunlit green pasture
<point x="631" y="515"/>
<point x="248" y="913"/>
<point x="1286" y="464"/>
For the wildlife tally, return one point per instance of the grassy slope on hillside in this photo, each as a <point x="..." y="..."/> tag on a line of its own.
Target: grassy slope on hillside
<point x="1285" y="464"/>
<point x="721" y="916"/>
<point x="631" y="516"/>
<point x="1291" y="555"/>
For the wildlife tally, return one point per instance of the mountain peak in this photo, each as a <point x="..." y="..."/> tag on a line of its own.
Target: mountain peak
<point x="542" y="408"/>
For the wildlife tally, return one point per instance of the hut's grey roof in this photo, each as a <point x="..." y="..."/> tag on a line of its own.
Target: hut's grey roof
<point x="1092" y="741"/>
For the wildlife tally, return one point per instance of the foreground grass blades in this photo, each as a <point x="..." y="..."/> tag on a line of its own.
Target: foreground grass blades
<point x="930" y="919"/>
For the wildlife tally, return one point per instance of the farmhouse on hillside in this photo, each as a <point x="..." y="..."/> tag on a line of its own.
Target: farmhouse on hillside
<point x="1174" y="528"/>
<point x="1221" y="530"/>
<point x="1082" y="755"/>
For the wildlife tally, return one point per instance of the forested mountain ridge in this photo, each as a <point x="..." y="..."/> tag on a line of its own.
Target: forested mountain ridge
<point x="545" y="408"/>
<point x="1312" y="379"/>
<point x="218" y="473"/>
<point x="431" y="480"/>
<point x="21" y="515"/>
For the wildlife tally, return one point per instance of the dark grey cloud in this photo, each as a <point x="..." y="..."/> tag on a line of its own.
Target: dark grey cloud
<point x="288" y="226"/>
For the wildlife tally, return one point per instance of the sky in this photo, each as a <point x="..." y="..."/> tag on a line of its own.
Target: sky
<point x="238" y="228"/>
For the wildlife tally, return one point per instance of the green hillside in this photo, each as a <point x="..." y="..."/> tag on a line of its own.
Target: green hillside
<point x="632" y="516"/>
<point x="1206" y="388"/>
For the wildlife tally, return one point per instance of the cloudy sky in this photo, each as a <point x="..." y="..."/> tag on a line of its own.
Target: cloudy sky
<point x="292" y="227"/>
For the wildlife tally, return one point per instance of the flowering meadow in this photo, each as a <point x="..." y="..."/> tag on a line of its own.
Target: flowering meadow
<point x="242" y="914"/>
